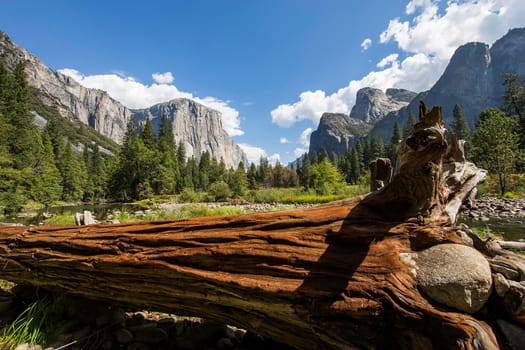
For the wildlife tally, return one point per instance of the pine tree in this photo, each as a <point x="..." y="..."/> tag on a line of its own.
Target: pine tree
<point x="495" y="144"/>
<point x="264" y="172"/>
<point x="377" y="147"/>
<point x="396" y="134"/>
<point x="203" y="181"/>
<point x="304" y="178"/>
<point x="46" y="180"/>
<point x="409" y="126"/>
<point x="72" y="175"/>
<point x="169" y="172"/>
<point x="147" y="135"/>
<point x="391" y="149"/>
<point x="20" y="141"/>
<point x="277" y="175"/>
<point x="355" y="166"/>
<point x="459" y="124"/>
<point x="253" y="184"/>
<point x="239" y="181"/>
<point x="514" y="102"/>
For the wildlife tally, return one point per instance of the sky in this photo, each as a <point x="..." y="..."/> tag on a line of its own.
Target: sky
<point x="271" y="67"/>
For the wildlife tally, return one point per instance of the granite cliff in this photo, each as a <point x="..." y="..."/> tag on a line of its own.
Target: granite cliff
<point x="337" y="131"/>
<point x="73" y="101"/>
<point x="198" y="127"/>
<point x="372" y="105"/>
<point x="473" y="79"/>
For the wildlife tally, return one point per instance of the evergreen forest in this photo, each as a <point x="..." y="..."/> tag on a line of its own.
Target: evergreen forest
<point x="65" y="163"/>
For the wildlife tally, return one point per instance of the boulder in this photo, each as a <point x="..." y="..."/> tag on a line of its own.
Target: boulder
<point x="455" y="275"/>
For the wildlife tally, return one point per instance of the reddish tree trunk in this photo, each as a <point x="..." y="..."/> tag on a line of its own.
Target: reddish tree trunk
<point x="329" y="277"/>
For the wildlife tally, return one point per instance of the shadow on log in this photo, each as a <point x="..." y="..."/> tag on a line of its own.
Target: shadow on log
<point x="337" y="276"/>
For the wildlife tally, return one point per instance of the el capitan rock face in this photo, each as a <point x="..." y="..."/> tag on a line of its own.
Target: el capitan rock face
<point x="198" y="127"/>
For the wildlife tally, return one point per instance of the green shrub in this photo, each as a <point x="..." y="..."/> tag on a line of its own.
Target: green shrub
<point x="312" y="199"/>
<point x="219" y="191"/>
<point x="62" y="219"/>
<point x="189" y="195"/>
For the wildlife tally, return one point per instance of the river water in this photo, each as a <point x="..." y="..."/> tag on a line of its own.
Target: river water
<point x="510" y="229"/>
<point x="37" y="216"/>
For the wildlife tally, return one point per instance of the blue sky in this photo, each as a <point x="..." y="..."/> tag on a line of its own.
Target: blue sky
<point x="272" y="67"/>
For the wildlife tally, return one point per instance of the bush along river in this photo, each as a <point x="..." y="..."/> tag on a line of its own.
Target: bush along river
<point x="497" y="216"/>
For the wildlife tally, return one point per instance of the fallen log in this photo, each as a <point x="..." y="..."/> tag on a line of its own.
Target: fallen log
<point x="511" y="245"/>
<point x="339" y="276"/>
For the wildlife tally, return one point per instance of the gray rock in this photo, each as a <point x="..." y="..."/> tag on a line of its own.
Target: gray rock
<point x="151" y="335"/>
<point x="224" y="344"/>
<point x="501" y="285"/>
<point x="336" y="132"/>
<point x="124" y="336"/>
<point x="455" y="275"/>
<point x="373" y="104"/>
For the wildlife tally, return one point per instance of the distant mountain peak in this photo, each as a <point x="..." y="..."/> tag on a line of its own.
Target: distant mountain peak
<point x="373" y="104"/>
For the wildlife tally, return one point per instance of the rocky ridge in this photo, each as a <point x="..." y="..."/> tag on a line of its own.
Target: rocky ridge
<point x="372" y="105"/>
<point x="198" y="127"/>
<point x="336" y="131"/>
<point x="472" y="79"/>
<point x="89" y="106"/>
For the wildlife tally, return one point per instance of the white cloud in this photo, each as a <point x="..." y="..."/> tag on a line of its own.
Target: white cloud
<point x="439" y="33"/>
<point x="163" y="78"/>
<point x="274" y="158"/>
<point x="429" y="39"/>
<point x="299" y="151"/>
<point x="134" y="94"/>
<point x="366" y="44"/>
<point x="254" y="154"/>
<point x="284" y="140"/>
<point x="392" y="58"/>
<point x="304" y="139"/>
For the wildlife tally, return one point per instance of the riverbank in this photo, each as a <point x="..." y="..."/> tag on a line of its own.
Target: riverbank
<point x="490" y="208"/>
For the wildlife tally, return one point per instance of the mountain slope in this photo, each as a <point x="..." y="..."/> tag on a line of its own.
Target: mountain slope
<point x="473" y="79"/>
<point x="336" y="131"/>
<point x="198" y="127"/>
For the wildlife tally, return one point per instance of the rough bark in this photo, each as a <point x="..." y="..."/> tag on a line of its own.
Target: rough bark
<point x="329" y="277"/>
